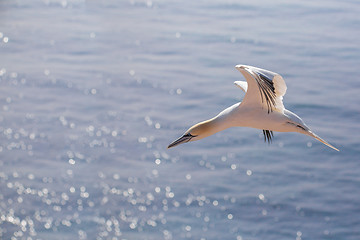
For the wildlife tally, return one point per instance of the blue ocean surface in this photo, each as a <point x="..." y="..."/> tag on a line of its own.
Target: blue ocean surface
<point x="92" y="93"/>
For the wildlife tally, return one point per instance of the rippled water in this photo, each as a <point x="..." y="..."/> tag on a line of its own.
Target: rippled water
<point x="91" y="93"/>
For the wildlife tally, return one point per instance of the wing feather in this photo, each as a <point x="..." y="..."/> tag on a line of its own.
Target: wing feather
<point x="241" y="84"/>
<point x="268" y="135"/>
<point x="264" y="88"/>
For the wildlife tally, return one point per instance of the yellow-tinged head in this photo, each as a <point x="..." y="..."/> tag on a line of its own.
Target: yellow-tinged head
<point x="196" y="132"/>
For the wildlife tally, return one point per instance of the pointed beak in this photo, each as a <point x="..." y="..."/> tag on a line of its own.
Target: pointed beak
<point x="183" y="139"/>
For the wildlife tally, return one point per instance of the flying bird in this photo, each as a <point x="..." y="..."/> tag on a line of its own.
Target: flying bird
<point x="261" y="108"/>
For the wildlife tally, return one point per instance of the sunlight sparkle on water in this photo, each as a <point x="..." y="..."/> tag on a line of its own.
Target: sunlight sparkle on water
<point x="87" y="119"/>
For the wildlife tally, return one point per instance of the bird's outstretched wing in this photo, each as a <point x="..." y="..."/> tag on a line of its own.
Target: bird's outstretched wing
<point x="264" y="88"/>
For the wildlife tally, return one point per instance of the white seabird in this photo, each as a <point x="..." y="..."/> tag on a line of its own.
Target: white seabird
<point x="262" y="108"/>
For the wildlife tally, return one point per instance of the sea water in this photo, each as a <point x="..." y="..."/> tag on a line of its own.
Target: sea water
<point x="92" y="92"/>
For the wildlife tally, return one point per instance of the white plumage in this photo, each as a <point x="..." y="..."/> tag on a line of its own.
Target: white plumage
<point x="262" y="108"/>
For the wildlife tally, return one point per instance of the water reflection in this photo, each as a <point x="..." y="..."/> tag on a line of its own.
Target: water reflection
<point x="83" y="136"/>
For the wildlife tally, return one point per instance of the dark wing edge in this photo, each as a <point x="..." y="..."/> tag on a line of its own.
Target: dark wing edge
<point x="268" y="135"/>
<point x="267" y="90"/>
<point x="271" y="87"/>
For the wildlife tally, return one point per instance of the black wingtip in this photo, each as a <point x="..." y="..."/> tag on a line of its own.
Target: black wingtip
<point x="268" y="136"/>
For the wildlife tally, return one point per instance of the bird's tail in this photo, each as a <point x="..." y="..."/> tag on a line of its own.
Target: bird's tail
<point x="311" y="134"/>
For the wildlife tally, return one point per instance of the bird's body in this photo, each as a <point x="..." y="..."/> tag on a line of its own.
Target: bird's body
<point x="261" y="108"/>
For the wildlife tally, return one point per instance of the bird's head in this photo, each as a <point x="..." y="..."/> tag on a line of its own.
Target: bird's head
<point x="196" y="132"/>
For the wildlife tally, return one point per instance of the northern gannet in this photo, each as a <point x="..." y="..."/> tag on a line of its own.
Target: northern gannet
<point x="262" y="108"/>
